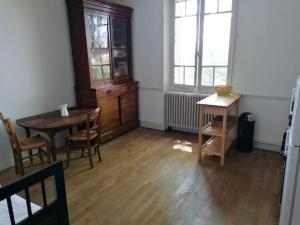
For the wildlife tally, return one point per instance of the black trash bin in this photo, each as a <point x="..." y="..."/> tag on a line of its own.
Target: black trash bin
<point x="245" y="132"/>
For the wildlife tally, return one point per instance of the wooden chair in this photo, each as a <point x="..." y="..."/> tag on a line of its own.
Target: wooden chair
<point x="86" y="140"/>
<point x="25" y="145"/>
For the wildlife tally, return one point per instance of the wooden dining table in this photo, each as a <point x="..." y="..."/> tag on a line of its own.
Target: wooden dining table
<point x="51" y="123"/>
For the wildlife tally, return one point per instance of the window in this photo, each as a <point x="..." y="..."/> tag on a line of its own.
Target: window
<point x="202" y="42"/>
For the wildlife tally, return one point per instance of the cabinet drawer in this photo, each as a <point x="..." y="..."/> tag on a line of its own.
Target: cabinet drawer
<point x="109" y="91"/>
<point x="124" y="88"/>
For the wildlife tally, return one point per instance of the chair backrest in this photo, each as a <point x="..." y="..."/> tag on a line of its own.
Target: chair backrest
<point x="11" y="132"/>
<point x="93" y="120"/>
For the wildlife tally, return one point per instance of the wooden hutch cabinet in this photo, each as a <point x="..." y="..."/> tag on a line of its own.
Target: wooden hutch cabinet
<point x="101" y="48"/>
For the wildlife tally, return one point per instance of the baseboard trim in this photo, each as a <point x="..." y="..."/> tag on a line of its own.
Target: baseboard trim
<point x="274" y="147"/>
<point x="6" y="164"/>
<point x="152" y="125"/>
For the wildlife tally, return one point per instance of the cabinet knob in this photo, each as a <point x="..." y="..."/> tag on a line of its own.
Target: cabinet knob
<point x="108" y="92"/>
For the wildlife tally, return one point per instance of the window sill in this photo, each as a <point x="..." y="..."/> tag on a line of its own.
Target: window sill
<point x="188" y="89"/>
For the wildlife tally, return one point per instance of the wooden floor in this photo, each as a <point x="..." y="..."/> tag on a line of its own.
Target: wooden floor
<point x="152" y="177"/>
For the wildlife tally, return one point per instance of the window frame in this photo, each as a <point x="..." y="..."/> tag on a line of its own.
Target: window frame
<point x="198" y="88"/>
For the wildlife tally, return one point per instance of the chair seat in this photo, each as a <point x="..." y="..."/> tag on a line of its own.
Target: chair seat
<point x="82" y="135"/>
<point x="33" y="142"/>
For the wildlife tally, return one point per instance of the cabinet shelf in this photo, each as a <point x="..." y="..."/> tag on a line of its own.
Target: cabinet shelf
<point x="100" y="49"/>
<point x="210" y="130"/>
<point x="120" y="48"/>
<point x="214" y="145"/>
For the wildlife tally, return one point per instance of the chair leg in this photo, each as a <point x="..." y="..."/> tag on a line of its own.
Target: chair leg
<point x="19" y="160"/>
<point x="30" y="156"/>
<point x="16" y="166"/>
<point x="90" y="156"/>
<point x="41" y="155"/>
<point x="98" y="151"/>
<point x="21" y="167"/>
<point x="67" y="149"/>
<point x="48" y="153"/>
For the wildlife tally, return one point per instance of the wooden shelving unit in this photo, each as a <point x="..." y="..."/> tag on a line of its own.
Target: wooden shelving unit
<point x="217" y="131"/>
<point x="213" y="146"/>
<point x="221" y="131"/>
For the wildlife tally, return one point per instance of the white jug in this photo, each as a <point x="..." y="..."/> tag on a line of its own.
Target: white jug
<point x="63" y="110"/>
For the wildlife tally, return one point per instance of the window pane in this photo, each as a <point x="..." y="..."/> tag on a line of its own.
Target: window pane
<point x="97" y="72"/>
<point x="185" y="41"/>
<point x="119" y="24"/>
<point x="120" y="67"/>
<point x="99" y="33"/>
<point x="225" y="5"/>
<point x="220" y="75"/>
<point x="119" y="53"/>
<point x="189" y="76"/>
<point x="207" y="77"/>
<point x="211" y="6"/>
<point x="180" y="8"/>
<point x="120" y="36"/>
<point x="216" y="39"/>
<point x="106" y="72"/>
<point x="191" y="7"/>
<point x="101" y="72"/>
<point x="100" y="57"/>
<point x="178" y="78"/>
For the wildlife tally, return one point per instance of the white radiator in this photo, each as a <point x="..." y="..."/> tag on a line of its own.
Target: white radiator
<point x="182" y="113"/>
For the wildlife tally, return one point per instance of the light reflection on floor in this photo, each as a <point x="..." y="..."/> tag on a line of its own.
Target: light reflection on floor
<point x="184" y="146"/>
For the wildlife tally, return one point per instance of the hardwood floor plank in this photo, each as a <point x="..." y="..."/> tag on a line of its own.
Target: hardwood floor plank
<point x="149" y="177"/>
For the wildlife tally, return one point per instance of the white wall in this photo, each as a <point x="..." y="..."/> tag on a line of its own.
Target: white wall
<point x="267" y="49"/>
<point x="148" y="60"/>
<point x="266" y="62"/>
<point x="35" y="57"/>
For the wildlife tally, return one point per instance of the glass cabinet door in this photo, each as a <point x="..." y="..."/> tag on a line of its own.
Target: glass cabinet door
<point x="119" y="47"/>
<point x="99" y="44"/>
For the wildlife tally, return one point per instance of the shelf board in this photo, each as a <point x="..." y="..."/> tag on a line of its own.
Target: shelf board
<point x="214" y="144"/>
<point x="100" y="49"/>
<point x="120" y="48"/>
<point x="217" y="131"/>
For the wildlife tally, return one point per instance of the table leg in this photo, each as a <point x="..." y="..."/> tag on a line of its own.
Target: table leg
<point x="223" y="138"/>
<point x="237" y="120"/>
<point x="28" y="134"/>
<point x="52" y="144"/>
<point x="200" y="134"/>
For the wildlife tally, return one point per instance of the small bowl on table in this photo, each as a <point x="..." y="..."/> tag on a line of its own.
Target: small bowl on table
<point x="223" y="90"/>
